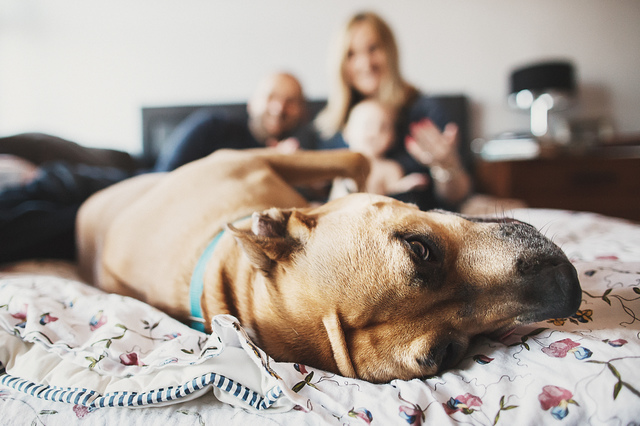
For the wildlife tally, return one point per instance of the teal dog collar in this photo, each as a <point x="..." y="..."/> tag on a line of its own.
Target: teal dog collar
<point x="197" y="284"/>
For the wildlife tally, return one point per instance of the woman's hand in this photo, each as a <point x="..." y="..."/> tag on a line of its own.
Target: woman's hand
<point x="431" y="147"/>
<point x="439" y="151"/>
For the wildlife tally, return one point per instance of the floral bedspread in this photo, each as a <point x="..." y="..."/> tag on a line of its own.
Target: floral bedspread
<point x="69" y="352"/>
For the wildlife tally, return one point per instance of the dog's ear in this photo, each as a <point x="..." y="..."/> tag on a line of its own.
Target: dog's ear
<point x="338" y="343"/>
<point x="269" y="240"/>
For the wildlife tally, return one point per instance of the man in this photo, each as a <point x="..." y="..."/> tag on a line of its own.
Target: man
<point x="275" y="111"/>
<point x="37" y="219"/>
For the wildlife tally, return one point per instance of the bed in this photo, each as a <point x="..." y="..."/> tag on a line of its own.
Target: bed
<point x="69" y="352"/>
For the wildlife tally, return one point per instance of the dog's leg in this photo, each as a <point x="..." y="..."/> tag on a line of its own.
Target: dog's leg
<point x="307" y="167"/>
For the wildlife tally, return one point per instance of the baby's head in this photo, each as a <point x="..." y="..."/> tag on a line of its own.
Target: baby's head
<point x="370" y="128"/>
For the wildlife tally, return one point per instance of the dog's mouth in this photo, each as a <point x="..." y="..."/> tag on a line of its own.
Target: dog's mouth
<point x="505" y="334"/>
<point x="443" y="357"/>
<point x="502" y="334"/>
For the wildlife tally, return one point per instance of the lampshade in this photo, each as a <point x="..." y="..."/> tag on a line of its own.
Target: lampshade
<point x="544" y="77"/>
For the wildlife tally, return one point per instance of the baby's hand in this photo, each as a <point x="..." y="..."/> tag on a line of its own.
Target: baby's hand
<point x="288" y="146"/>
<point x="410" y="182"/>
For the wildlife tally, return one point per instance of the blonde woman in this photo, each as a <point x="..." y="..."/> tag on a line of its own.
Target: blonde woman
<point x="365" y="65"/>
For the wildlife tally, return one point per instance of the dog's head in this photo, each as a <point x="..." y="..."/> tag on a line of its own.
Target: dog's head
<point x="370" y="287"/>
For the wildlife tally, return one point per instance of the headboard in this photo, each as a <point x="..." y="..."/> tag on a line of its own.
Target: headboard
<point x="158" y="122"/>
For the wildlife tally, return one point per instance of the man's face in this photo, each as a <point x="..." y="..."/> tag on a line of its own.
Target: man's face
<point x="277" y="107"/>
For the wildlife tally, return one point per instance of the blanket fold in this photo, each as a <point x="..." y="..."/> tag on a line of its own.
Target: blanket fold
<point x="56" y="333"/>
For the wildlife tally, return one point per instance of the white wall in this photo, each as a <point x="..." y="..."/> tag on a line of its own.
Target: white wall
<point x="83" y="69"/>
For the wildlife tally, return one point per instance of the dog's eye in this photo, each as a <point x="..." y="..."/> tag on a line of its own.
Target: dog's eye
<point x="425" y="252"/>
<point x="419" y="249"/>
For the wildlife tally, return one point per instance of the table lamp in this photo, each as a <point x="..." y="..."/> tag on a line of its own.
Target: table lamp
<point x="541" y="87"/>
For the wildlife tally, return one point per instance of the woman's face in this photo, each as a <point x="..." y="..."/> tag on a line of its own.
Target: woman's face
<point x="366" y="63"/>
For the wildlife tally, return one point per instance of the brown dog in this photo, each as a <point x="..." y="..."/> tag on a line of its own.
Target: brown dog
<point x="364" y="286"/>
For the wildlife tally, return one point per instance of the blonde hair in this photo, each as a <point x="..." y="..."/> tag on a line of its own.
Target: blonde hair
<point x="394" y="91"/>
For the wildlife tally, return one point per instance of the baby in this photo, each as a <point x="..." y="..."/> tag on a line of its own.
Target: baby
<point x="370" y="131"/>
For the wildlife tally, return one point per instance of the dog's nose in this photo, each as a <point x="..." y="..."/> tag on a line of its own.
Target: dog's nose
<point x="553" y="291"/>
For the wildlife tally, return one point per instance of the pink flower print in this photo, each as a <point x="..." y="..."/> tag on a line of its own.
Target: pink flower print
<point x="465" y="403"/>
<point x="560" y="348"/>
<point x="617" y="343"/>
<point x="300" y="368"/>
<point x="47" y="318"/>
<point x="362" y="414"/>
<point x="557" y="399"/>
<point x="412" y="415"/>
<point x="81" y="411"/>
<point x="482" y="359"/>
<point x="607" y="257"/>
<point x="131" y="358"/>
<point x="21" y="315"/>
<point x="97" y="321"/>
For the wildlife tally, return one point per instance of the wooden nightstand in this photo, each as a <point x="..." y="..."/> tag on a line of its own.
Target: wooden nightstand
<point x="603" y="180"/>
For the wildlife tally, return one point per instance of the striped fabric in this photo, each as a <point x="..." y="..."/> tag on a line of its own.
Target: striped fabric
<point x="92" y="399"/>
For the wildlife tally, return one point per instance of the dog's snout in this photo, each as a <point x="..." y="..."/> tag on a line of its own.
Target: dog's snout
<point x="550" y="285"/>
<point x="569" y="285"/>
<point x="533" y="251"/>
<point x="528" y="264"/>
<point x="523" y="234"/>
<point x="553" y="292"/>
